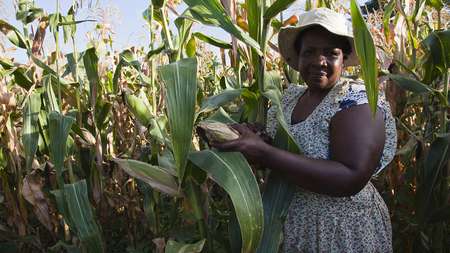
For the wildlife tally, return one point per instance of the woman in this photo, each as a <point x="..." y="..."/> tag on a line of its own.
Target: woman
<point x="335" y="208"/>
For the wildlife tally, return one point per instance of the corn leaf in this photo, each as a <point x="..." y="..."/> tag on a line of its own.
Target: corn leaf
<point x="59" y="127"/>
<point x="437" y="4"/>
<point x="438" y="46"/>
<point x="231" y="171"/>
<point x="278" y="193"/>
<point x="410" y="84"/>
<point x="222" y="116"/>
<point x="139" y="109"/>
<point x="277" y="7"/>
<point x="80" y="211"/>
<point x="387" y="17"/>
<point x="176" y="247"/>
<point x="157" y="177"/>
<point x="14" y="36"/>
<point x="434" y="165"/>
<point x="90" y="61"/>
<point x="154" y="52"/>
<point x="49" y="70"/>
<point x="365" y="49"/>
<point x="184" y="26"/>
<point x="219" y="100"/>
<point x="211" y="12"/>
<point x="19" y="73"/>
<point x="180" y="79"/>
<point x="191" y="47"/>
<point x="52" y="102"/>
<point x="255" y="10"/>
<point x="30" y="131"/>
<point x="212" y="41"/>
<point x="32" y="191"/>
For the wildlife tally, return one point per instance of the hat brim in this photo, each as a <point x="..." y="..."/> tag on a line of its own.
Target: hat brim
<point x="288" y="36"/>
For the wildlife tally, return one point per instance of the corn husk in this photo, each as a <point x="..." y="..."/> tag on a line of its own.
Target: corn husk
<point x="217" y="131"/>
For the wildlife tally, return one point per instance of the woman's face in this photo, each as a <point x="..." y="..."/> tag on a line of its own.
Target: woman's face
<point x="321" y="58"/>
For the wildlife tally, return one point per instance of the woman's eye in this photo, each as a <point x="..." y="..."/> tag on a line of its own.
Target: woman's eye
<point x="307" y="52"/>
<point x="332" y="53"/>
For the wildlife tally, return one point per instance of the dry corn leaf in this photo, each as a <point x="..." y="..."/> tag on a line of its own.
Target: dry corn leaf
<point x="32" y="192"/>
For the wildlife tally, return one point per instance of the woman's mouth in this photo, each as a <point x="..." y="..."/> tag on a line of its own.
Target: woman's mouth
<point x="318" y="75"/>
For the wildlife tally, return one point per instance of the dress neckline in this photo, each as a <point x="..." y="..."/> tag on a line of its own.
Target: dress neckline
<point x="301" y="92"/>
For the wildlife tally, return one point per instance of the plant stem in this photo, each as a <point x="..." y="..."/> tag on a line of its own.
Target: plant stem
<point x="167" y="37"/>
<point x="152" y="64"/>
<point x="79" y="91"/>
<point x="57" y="56"/>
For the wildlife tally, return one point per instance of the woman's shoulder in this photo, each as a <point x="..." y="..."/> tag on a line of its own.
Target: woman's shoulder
<point x="353" y="92"/>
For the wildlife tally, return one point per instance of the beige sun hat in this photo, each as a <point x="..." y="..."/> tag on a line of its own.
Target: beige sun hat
<point x="332" y="21"/>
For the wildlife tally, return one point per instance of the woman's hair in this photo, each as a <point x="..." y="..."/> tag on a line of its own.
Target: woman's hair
<point x="346" y="47"/>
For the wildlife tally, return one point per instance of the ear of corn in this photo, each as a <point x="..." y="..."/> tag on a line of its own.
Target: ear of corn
<point x="217" y="131"/>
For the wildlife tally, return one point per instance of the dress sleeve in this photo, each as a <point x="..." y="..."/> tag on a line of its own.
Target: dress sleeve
<point x="356" y="95"/>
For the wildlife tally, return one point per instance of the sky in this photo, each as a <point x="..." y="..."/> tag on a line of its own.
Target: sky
<point x="124" y="16"/>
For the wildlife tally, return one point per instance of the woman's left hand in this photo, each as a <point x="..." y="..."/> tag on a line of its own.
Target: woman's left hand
<point x="249" y="144"/>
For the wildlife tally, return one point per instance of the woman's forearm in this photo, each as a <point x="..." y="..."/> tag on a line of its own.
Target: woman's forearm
<point x="316" y="175"/>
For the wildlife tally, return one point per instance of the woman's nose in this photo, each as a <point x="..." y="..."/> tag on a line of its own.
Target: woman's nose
<point x="320" y="60"/>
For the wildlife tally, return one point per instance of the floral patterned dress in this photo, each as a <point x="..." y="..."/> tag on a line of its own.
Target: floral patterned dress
<point x="321" y="223"/>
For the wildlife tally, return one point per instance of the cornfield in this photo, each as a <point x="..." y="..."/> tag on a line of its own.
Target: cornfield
<point x="100" y="150"/>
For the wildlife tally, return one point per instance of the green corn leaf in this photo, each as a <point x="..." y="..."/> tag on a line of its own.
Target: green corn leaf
<point x="278" y="193"/>
<point x="365" y="49"/>
<point x="435" y="162"/>
<point x="277" y="7"/>
<point x="155" y="52"/>
<point x="90" y="61"/>
<point x="49" y="70"/>
<point x="176" y="247"/>
<point x="212" y="41"/>
<point x="116" y="77"/>
<point x="255" y="9"/>
<point x="130" y="59"/>
<point x="231" y="171"/>
<point x="438" y="46"/>
<point x="80" y="211"/>
<point x="180" y="79"/>
<point x="19" y="73"/>
<point x="29" y="15"/>
<point x="14" y="36"/>
<point x="62" y="207"/>
<point x="59" y="127"/>
<point x="410" y="84"/>
<point x="222" y="116"/>
<point x="52" y="102"/>
<point x="157" y="177"/>
<point x="191" y="47"/>
<point x="214" y="102"/>
<point x="139" y="109"/>
<point x="75" y="22"/>
<point x="184" y="26"/>
<point x="30" y="130"/>
<point x="387" y="17"/>
<point x="437" y="4"/>
<point x="158" y="4"/>
<point x="211" y="12"/>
